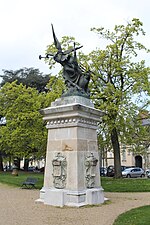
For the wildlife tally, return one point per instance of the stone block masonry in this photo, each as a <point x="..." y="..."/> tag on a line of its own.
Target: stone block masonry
<point x="72" y="174"/>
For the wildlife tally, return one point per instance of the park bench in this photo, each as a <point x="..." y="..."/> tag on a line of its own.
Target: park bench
<point x="29" y="182"/>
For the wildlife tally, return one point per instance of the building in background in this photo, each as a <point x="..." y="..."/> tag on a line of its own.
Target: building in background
<point x="128" y="157"/>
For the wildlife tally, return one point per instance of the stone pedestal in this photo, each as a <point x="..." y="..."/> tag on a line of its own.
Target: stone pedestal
<point x="72" y="175"/>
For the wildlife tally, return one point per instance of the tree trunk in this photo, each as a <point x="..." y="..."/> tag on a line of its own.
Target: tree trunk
<point x="26" y="164"/>
<point x="1" y="162"/>
<point x="10" y="162"/>
<point x="17" y="162"/>
<point x="116" y="150"/>
<point x="100" y="157"/>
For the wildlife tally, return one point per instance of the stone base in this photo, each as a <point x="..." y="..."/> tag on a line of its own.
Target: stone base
<point x="55" y="197"/>
<point x="62" y="197"/>
<point x="72" y="161"/>
<point x="42" y="196"/>
<point x="76" y="198"/>
<point x="94" y="196"/>
<point x="71" y="100"/>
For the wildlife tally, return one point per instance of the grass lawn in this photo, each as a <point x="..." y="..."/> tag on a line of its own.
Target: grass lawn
<point x="125" y="184"/>
<point x="138" y="216"/>
<point x="8" y="178"/>
<point x="109" y="184"/>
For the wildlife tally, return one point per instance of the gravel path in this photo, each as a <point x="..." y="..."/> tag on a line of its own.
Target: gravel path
<point x="18" y="207"/>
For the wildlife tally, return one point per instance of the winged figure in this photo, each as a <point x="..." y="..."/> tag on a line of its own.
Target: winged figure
<point x="75" y="76"/>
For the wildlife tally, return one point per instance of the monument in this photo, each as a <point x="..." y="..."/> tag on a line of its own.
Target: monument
<point x="72" y="175"/>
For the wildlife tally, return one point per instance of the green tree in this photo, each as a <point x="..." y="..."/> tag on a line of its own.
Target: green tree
<point x="27" y="76"/>
<point x="141" y="135"/>
<point x="24" y="134"/>
<point x="116" y="77"/>
<point x="55" y="89"/>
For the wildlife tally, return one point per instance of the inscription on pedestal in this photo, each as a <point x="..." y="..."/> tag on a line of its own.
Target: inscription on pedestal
<point x="59" y="171"/>
<point x="90" y="167"/>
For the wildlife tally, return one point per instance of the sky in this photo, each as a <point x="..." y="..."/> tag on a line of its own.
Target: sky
<point x="25" y="26"/>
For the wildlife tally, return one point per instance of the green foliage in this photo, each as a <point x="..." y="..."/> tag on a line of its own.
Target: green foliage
<point x="27" y="76"/>
<point x="117" y="76"/>
<point x="138" y="216"/>
<point x="141" y="135"/>
<point x="55" y="88"/>
<point x="24" y="134"/>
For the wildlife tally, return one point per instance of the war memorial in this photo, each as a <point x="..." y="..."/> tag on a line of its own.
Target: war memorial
<point x="72" y="176"/>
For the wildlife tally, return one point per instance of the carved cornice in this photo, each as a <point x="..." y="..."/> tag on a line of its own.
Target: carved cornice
<point x="72" y="121"/>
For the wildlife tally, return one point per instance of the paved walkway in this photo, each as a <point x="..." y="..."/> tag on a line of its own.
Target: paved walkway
<point x="18" y="207"/>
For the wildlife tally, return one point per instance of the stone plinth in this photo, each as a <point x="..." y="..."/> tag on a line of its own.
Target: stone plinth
<point x="72" y="174"/>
